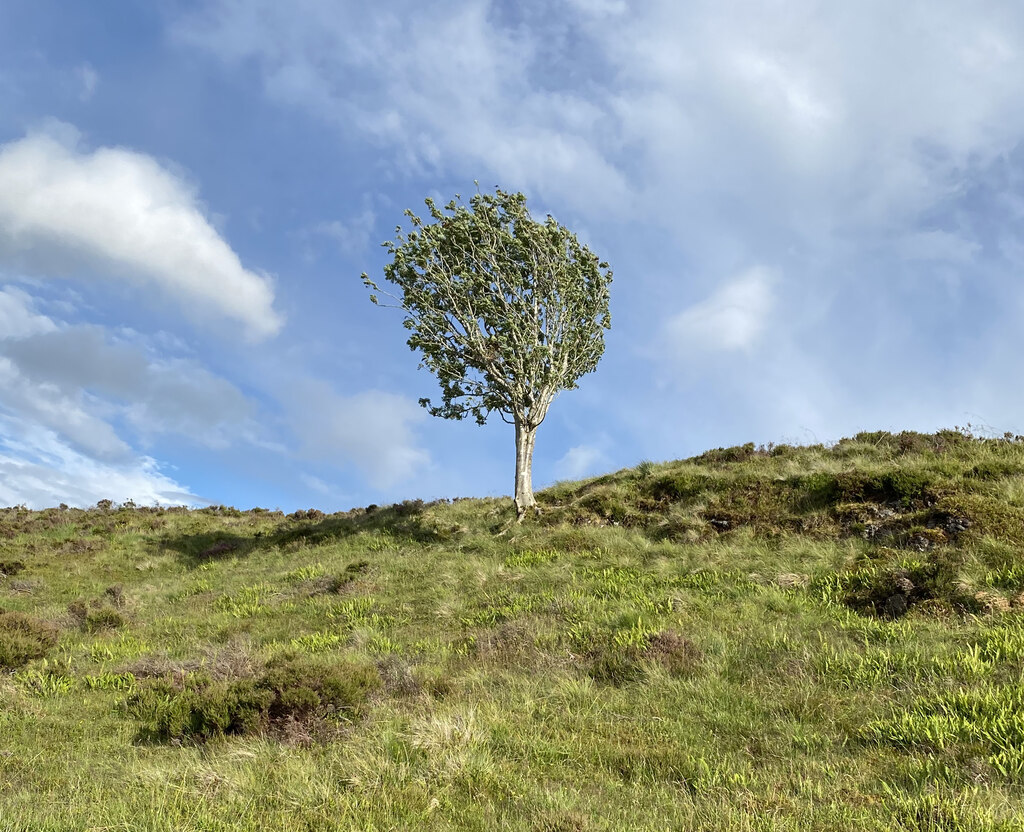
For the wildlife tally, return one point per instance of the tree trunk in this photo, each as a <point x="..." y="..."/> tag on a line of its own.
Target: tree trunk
<point x="524" y="500"/>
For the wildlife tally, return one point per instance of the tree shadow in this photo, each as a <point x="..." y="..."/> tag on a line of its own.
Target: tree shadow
<point x="401" y="521"/>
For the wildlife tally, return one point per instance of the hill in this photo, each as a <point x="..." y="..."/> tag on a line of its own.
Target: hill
<point x="755" y="638"/>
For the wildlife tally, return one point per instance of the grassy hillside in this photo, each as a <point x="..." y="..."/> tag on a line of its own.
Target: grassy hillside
<point x="785" y="638"/>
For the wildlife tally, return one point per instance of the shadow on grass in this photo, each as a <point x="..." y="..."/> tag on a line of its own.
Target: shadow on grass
<point x="401" y="521"/>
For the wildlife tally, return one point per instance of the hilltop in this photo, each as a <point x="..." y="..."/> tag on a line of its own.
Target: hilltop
<point x="782" y="637"/>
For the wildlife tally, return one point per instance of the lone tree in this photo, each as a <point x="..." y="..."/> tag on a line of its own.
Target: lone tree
<point x="505" y="310"/>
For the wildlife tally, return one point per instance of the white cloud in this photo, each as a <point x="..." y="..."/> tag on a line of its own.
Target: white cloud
<point x="157" y="395"/>
<point x="67" y="392"/>
<point x="74" y="379"/>
<point x="18" y="317"/>
<point x="576" y="105"/>
<point x="67" y="415"/>
<point x="89" y="78"/>
<point x="352" y="236"/>
<point x="782" y="91"/>
<point x="118" y="213"/>
<point x="581" y="461"/>
<point x="325" y="489"/>
<point x="821" y="121"/>
<point x="731" y="319"/>
<point x="38" y="469"/>
<point x="371" y="429"/>
<point x="746" y="135"/>
<point x="435" y="87"/>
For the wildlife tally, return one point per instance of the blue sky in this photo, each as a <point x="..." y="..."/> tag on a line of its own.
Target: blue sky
<point x="814" y="212"/>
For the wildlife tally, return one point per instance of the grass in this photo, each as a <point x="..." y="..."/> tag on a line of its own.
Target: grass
<point x="808" y="638"/>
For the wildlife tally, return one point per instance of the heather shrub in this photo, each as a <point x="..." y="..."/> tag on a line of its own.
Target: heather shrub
<point x="24" y="638"/>
<point x="288" y="690"/>
<point x="96" y="616"/>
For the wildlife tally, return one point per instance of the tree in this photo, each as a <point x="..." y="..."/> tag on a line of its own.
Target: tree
<point x="506" y="312"/>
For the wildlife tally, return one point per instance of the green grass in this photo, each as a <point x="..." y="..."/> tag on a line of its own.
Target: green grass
<point x="809" y="638"/>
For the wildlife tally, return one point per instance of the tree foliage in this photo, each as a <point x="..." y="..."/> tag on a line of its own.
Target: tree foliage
<point x="506" y="311"/>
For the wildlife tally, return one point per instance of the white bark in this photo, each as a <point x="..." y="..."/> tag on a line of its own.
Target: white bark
<point x="524" y="499"/>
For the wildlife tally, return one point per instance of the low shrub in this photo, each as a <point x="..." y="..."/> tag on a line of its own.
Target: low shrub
<point x="290" y="689"/>
<point x="901" y="485"/>
<point x="338" y="583"/>
<point x="96" y="616"/>
<point x="737" y="453"/>
<point x="199" y="710"/>
<point x="24" y="638"/>
<point x="616" y="665"/>
<point x="103" y="618"/>
<point x="627" y="654"/>
<point x="685" y="486"/>
<point x="994" y="469"/>
<point x="891" y="585"/>
<point x="675" y="653"/>
<point x="612" y="505"/>
<point x="981" y="515"/>
<point x="307" y="514"/>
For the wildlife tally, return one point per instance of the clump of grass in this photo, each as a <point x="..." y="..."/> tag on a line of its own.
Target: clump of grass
<point x="988" y="722"/>
<point x="938" y="811"/>
<point x="645" y="468"/>
<point x="528" y="557"/>
<point x="96" y="616"/>
<point x="613" y="664"/>
<point x="336" y="584"/>
<point x="248" y="601"/>
<point x="24" y="638"/>
<point x="309" y="572"/>
<point x="621" y="655"/>
<point x="678" y="655"/>
<point x="125" y="646"/>
<point x="289" y="689"/>
<point x="319" y="642"/>
<point x="104" y="618"/>
<point x="398" y="677"/>
<point x="109" y="680"/>
<point x="47" y="679"/>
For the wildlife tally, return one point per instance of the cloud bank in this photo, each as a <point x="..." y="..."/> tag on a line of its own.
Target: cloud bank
<point x="39" y="470"/>
<point x="73" y="396"/>
<point x="118" y="213"/>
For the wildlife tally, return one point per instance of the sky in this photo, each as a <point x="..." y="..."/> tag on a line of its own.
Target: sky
<point x="814" y="212"/>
